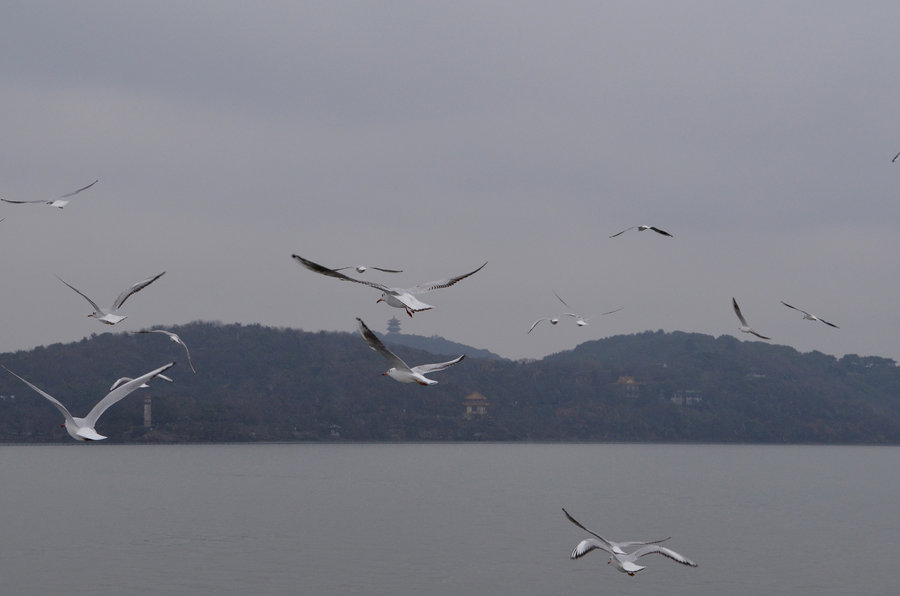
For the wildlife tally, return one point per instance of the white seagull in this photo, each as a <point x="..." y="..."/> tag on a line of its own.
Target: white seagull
<point x="122" y="380"/>
<point x="60" y="202"/>
<point x="364" y="268"/>
<point x="82" y="429"/>
<point x="174" y="337"/>
<point x="400" y="371"/>
<point x="810" y="317"/>
<point x="641" y="229"/>
<point x="580" y="320"/>
<point x="553" y="321"/>
<point x="622" y="561"/>
<point x="109" y="315"/>
<point x="397" y="297"/>
<point x="744" y="326"/>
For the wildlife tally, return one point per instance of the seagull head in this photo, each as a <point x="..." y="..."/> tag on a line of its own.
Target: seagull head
<point x="361" y="269"/>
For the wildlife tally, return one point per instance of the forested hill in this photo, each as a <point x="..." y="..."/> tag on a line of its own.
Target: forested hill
<point x="256" y="383"/>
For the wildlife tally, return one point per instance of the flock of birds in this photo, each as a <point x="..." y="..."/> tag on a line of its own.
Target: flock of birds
<point x="83" y="429"/>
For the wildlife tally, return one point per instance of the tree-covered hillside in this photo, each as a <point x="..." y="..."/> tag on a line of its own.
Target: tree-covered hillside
<point x="255" y="383"/>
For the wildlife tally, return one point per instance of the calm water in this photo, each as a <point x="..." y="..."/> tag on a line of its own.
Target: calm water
<point x="442" y="519"/>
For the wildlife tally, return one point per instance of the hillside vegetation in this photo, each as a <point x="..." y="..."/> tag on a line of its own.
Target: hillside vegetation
<point x="256" y="383"/>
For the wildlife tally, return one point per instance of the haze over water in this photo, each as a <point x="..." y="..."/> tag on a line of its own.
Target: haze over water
<point x="445" y="518"/>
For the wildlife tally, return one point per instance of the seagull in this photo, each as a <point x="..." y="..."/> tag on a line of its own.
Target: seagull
<point x="364" y="268"/>
<point x="174" y="337"/>
<point x="810" y="317"/>
<point x="82" y="429"/>
<point x="109" y="316"/>
<point x="400" y="371"/>
<point x="396" y="297"/>
<point x="121" y="381"/>
<point x="622" y="561"/>
<point x="641" y="229"/>
<point x="553" y="321"/>
<point x="60" y="202"/>
<point x="579" y="319"/>
<point x="744" y="326"/>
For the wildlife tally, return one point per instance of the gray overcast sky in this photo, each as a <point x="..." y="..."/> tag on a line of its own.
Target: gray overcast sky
<point x="434" y="136"/>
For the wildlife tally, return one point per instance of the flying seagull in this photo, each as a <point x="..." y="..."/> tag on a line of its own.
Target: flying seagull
<point x="122" y="380"/>
<point x="810" y="317"/>
<point x="364" y="268"/>
<point x="174" y="337"/>
<point x="60" y="202"/>
<point x="397" y="297"/>
<point x="109" y="315"/>
<point x="744" y="326"/>
<point x="553" y="321"/>
<point x="82" y="429"/>
<point x="580" y="320"/>
<point x="641" y="229"/>
<point x="400" y="371"/>
<point x="624" y="562"/>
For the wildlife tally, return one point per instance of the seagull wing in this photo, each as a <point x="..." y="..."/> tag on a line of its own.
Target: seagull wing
<point x="759" y="335"/>
<point x="334" y="273"/>
<point x="587" y="545"/>
<point x="795" y="308"/>
<point x="387" y="270"/>
<point x="92" y="303"/>
<point x="177" y="339"/>
<point x="560" y="299"/>
<point x="655" y="549"/>
<point x="50" y="398"/>
<point x="75" y="192"/>
<point x="442" y="283"/>
<point x="609" y="312"/>
<point x="607" y="544"/>
<point x="737" y="311"/>
<point x="827" y="323"/>
<point x="533" y="325"/>
<point x="430" y="368"/>
<point x="644" y="543"/>
<point x="120" y="392"/>
<point x="379" y="347"/>
<point x="134" y="290"/>
<point x="622" y="232"/>
<point x="659" y="231"/>
<point x="895" y="158"/>
<point x="22" y="202"/>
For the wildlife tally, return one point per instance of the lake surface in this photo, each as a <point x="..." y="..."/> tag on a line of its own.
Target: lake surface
<point x="442" y="519"/>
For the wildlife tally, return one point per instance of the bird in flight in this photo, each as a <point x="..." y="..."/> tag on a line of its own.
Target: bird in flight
<point x="400" y="371"/>
<point x="809" y="316"/>
<point x="641" y="229"/>
<point x="60" y="202"/>
<point x="82" y="429"/>
<point x="110" y="315"/>
<point x="404" y="298"/>
<point x="744" y="326"/>
<point x="622" y="561"/>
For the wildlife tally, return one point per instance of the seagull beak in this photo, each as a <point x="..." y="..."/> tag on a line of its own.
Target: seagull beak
<point x="383" y="374"/>
<point x="379" y="300"/>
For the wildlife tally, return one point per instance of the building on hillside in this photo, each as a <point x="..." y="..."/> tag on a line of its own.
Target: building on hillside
<point x="687" y="397"/>
<point x="475" y="405"/>
<point x="629" y="386"/>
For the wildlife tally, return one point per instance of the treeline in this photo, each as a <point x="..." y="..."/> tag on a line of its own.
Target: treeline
<point x="257" y="383"/>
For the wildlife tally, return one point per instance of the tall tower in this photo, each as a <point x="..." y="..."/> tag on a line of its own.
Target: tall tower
<point x="393" y="325"/>
<point x="148" y="420"/>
